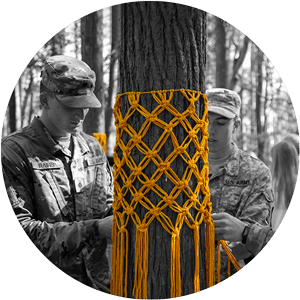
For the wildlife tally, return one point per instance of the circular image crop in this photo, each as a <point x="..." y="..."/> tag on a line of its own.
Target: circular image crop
<point x="149" y="150"/>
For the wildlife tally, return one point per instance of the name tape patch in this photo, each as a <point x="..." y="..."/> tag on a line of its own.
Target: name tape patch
<point x="237" y="182"/>
<point x="43" y="165"/>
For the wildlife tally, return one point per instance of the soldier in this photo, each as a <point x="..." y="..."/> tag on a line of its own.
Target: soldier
<point x="58" y="179"/>
<point x="239" y="184"/>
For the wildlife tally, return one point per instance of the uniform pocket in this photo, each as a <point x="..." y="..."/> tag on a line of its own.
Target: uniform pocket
<point x="50" y="199"/>
<point x="98" y="194"/>
<point x="96" y="171"/>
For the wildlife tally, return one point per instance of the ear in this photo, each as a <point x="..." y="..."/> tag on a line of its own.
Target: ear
<point x="44" y="100"/>
<point x="237" y="123"/>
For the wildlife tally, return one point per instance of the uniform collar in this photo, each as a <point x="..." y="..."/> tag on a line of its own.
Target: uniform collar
<point x="232" y="165"/>
<point x="80" y="146"/>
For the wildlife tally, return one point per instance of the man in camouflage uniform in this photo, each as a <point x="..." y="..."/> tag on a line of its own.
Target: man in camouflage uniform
<point x="253" y="236"/>
<point x="239" y="184"/>
<point x="58" y="179"/>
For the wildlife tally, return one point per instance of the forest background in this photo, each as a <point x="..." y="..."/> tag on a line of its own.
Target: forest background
<point x="233" y="61"/>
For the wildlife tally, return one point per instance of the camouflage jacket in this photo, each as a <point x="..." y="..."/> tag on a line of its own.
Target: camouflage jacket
<point x="258" y="237"/>
<point x="242" y="187"/>
<point x="58" y="196"/>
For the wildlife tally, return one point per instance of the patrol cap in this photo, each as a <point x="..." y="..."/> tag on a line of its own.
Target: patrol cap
<point x="72" y="81"/>
<point x="223" y="102"/>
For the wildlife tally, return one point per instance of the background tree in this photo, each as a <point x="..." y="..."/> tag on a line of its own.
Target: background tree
<point x="163" y="46"/>
<point x="230" y="52"/>
<point x="12" y="112"/>
<point x="258" y="110"/>
<point x="220" y="53"/>
<point x="113" y="68"/>
<point x="92" y="54"/>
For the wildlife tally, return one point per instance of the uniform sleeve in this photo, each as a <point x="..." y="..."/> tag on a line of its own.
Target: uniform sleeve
<point x="258" y="206"/>
<point x="259" y="203"/>
<point x="257" y="238"/>
<point x="61" y="242"/>
<point x="110" y="187"/>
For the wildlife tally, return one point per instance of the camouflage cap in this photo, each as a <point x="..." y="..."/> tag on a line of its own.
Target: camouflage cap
<point x="72" y="81"/>
<point x="223" y="102"/>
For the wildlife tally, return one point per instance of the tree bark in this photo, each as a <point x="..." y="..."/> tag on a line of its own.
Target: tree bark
<point x="92" y="54"/>
<point x="221" y="49"/>
<point x="253" y="66"/>
<point x="237" y="63"/>
<point x="28" y="95"/>
<point x="113" y="76"/>
<point x="259" y="93"/>
<point x="12" y="112"/>
<point x="163" y="46"/>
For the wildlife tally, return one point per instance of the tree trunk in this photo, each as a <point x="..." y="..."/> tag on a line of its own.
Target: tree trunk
<point x="57" y="43"/>
<point x="26" y="101"/>
<point x="77" y="43"/>
<point x="92" y="54"/>
<point x="221" y="49"/>
<point x="252" y="145"/>
<point x="12" y="112"/>
<point x="259" y="93"/>
<point x="115" y="46"/>
<point x="237" y="63"/>
<point x="163" y="46"/>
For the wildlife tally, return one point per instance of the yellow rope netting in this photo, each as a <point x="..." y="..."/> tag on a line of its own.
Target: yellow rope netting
<point x="101" y="137"/>
<point x="124" y="188"/>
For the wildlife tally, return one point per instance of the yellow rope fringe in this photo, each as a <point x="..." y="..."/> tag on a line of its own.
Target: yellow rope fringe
<point x="123" y="210"/>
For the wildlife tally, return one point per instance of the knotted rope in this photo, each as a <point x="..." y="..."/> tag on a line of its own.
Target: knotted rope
<point x="127" y="196"/>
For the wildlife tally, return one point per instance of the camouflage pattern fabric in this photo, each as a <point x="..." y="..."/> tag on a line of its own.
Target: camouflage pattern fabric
<point x="241" y="187"/>
<point x="59" y="197"/>
<point x="258" y="237"/>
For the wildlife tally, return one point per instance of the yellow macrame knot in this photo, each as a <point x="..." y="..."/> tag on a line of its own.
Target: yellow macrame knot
<point x="155" y="211"/>
<point x="137" y="139"/>
<point x="192" y="164"/>
<point x="138" y="197"/>
<point x="169" y="128"/>
<point x="164" y="166"/>
<point x="123" y="124"/>
<point x="129" y="210"/>
<point x="152" y="154"/>
<point x="137" y="171"/>
<point x="142" y="228"/>
<point x="168" y="200"/>
<point x="149" y="183"/>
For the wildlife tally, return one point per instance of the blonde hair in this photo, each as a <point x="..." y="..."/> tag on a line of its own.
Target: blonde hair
<point x="284" y="171"/>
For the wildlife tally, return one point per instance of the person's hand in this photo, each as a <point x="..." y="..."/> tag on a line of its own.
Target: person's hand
<point x="105" y="226"/>
<point x="239" y="250"/>
<point x="227" y="227"/>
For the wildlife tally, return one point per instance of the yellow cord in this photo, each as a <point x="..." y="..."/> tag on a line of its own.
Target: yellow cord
<point x="124" y="211"/>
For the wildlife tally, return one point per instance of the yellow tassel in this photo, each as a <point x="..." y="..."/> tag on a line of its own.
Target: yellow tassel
<point x="175" y="265"/>
<point x="197" y="262"/>
<point x="141" y="264"/>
